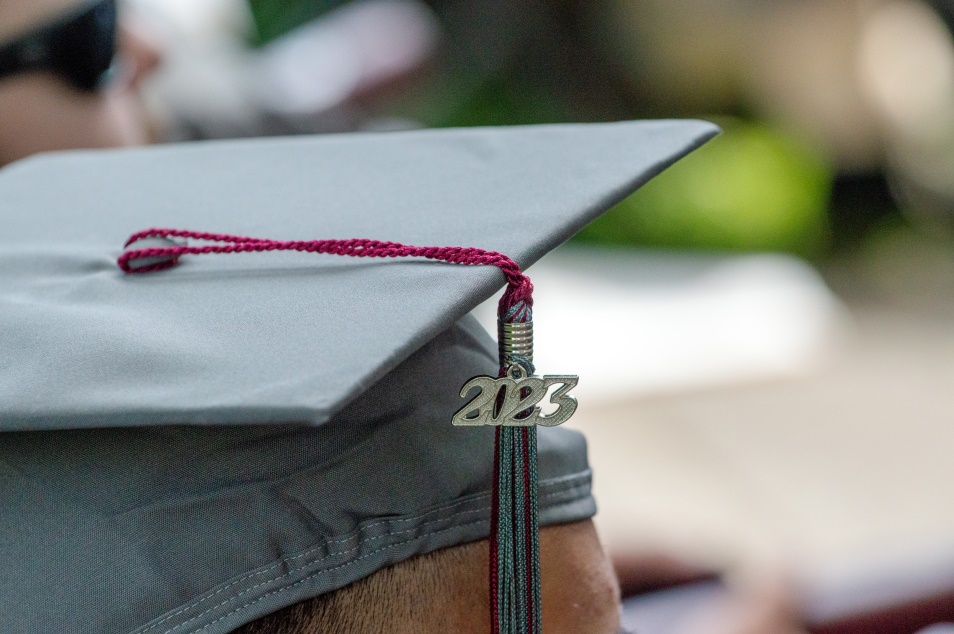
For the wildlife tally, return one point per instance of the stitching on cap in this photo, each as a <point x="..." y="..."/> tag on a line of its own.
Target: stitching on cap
<point x="318" y="572"/>
<point x="561" y="482"/>
<point x="327" y="570"/>
<point x="314" y="574"/>
<point x="317" y="547"/>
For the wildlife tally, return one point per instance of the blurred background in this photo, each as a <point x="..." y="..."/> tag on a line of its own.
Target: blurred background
<point x="769" y="414"/>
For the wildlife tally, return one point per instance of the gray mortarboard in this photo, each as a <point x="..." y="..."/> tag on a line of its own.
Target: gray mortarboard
<point x="189" y="450"/>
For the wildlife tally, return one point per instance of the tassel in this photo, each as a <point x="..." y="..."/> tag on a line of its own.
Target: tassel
<point x="514" y="524"/>
<point x="515" y="551"/>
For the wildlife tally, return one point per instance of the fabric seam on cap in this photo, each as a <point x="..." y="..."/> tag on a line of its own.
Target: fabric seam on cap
<point x="550" y="483"/>
<point x="322" y="545"/>
<point x="326" y="570"/>
<point x="353" y="561"/>
<point x="560" y="485"/>
<point x="310" y="576"/>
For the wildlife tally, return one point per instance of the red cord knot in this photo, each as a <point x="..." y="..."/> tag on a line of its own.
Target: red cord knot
<point x="159" y="249"/>
<point x="152" y="253"/>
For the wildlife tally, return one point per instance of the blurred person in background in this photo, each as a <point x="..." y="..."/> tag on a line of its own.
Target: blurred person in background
<point x="70" y="74"/>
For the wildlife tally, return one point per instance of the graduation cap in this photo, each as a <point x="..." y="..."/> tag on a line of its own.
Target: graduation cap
<point x="188" y="450"/>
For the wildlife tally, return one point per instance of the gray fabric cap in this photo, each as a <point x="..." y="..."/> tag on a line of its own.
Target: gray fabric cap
<point x="188" y="450"/>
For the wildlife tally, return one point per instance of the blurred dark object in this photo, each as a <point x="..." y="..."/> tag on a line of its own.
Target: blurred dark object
<point x="662" y="595"/>
<point x="642" y="573"/>
<point x="913" y="592"/>
<point x="944" y="9"/>
<point x="859" y="202"/>
<point x="714" y="606"/>
<point x="78" y="47"/>
<point x="905" y="618"/>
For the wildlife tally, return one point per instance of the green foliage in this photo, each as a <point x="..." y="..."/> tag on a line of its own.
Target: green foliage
<point x="500" y="101"/>
<point x="750" y="189"/>
<point x="274" y="18"/>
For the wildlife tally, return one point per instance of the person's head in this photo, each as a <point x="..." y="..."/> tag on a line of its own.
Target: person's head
<point x="447" y="591"/>
<point x="42" y="106"/>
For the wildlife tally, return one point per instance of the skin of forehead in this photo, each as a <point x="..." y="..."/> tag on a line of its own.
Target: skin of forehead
<point x="17" y="16"/>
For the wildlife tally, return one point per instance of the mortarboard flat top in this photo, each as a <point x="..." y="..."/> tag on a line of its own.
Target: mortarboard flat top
<point x="278" y="337"/>
<point x="121" y="517"/>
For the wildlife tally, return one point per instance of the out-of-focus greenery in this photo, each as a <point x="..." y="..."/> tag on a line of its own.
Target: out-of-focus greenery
<point x="750" y="189"/>
<point x="501" y="102"/>
<point x="274" y="18"/>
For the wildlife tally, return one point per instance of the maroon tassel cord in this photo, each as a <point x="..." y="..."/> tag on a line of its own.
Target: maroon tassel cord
<point x="514" y="535"/>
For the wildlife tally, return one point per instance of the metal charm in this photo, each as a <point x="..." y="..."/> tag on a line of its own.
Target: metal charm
<point x="512" y="400"/>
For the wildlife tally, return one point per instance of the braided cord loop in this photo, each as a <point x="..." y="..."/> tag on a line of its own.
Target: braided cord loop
<point x="519" y="288"/>
<point x="514" y="540"/>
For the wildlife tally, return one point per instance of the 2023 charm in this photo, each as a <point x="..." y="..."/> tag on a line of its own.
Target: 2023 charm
<point x="511" y="400"/>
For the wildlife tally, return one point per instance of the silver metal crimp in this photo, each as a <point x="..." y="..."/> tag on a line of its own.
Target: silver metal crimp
<point x="515" y="340"/>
